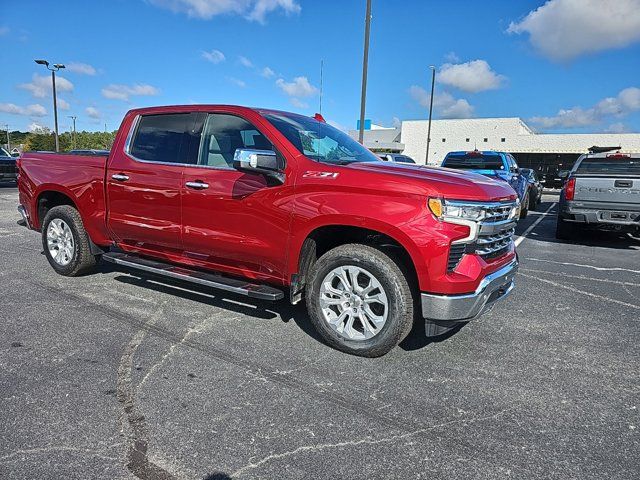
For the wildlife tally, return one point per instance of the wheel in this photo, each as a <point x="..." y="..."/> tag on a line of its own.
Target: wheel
<point x="533" y="202"/>
<point x="66" y="243"/>
<point x="524" y="208"/>
<point x="564" y="231"/>
<point x="359" y="300"/>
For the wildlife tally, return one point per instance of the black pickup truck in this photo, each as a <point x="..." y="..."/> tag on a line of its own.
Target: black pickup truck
<point x="8" y="169"/>
<point x="602" y="192"/>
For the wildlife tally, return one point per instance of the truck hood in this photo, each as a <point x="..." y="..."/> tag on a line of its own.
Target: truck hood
<point x="444" y="182"/>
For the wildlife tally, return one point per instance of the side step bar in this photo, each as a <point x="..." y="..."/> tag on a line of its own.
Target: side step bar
<point x="241" y="287"/>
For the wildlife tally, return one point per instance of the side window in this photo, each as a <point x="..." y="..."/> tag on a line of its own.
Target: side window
<point x="168" y="138"/>
<point x="223" y="134"/>
<point x="514" y="164"/>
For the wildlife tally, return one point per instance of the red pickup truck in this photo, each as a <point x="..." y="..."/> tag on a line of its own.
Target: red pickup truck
<point x="262" y="202"/>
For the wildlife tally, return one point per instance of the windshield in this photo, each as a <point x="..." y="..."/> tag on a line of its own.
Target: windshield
<point x="475" y="162"/>
<point x="320" y="141"/>
<point x="623" y="165"/>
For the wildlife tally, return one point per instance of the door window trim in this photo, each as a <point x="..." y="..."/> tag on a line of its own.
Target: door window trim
<point x="136" y="123"/>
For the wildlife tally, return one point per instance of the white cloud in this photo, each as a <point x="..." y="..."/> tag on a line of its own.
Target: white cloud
<point x="267" y="72"/>
<point x="38" y="128"/>
<point x="300" y="87"/>
<point x="35" y="110"/>
<point x="237" y="82"/>
<point x="473" y="77"/>
<point x="40" y="86"/>
<point x="254" y="10"/>
<point x="396" y="122"/>
<point x="63" y="104"/>
<point x="296" y="102"/>
<point x="124" y="92"/>
<point x="564" y="29"/>
<point x="81" y="68"/>
<point x="443" y="103"/>
<point x="214" y="56"/>
<point x="626" y="102"/>
<point x="618" y="127"/>
<point x="245" y="62"/>
<point x="92" y="112"/>
<point x="451" y="57"/>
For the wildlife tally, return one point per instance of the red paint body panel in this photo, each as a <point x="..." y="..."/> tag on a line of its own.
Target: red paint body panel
<point x="246" y="226"/>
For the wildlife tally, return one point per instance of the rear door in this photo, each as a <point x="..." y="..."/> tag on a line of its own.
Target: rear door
<point x="234" y="221"/>
<point x="144" y="181"/>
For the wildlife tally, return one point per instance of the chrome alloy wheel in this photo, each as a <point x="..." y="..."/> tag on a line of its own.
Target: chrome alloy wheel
<point x="353" y="302"/>
<point x="60" y="242"/>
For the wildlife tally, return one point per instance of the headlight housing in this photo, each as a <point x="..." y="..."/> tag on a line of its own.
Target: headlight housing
<point x="456" y="210"/>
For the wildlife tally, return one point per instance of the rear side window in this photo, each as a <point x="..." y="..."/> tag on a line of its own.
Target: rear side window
<point x="168" y="138"/>
<point x="475" y="162"/>
<point x="223" y="134"/>
<point x="622" y="165"/>
<point x="403" y="159"/>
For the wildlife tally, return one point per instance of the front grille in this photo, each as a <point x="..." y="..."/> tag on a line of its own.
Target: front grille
<point x="495" y="236"/>
<point x="498" y="213"/>
<point x="8" y="168"/>
<point x="491" y="246"/>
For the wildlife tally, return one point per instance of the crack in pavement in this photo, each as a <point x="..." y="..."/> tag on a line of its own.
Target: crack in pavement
<point x="367" y="441"/>
<point x="41" y="450"/>
<point x="138" y="461"/>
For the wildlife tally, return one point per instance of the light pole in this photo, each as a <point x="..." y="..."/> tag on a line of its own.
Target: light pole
<point x="365" y="62"/>
<point x="73" y="118"/>
<point x="8" y="138"/>
<point x="433" y="82"/>
<point x="54" y="69"/>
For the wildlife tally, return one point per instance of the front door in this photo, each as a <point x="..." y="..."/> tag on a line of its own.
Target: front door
<point x="144" y="181"/>
<point x="234" y="221"/>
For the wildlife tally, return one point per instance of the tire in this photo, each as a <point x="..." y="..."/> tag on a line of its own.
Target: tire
<point x="564" y="231"/>
<point x="524" y="209"/>
<point x="367" y="262"/>
<point x="533" y="202"/>
<point x="67" y="221"/>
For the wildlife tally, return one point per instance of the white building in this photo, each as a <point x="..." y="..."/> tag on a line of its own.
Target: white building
<point x="502" y="134"/>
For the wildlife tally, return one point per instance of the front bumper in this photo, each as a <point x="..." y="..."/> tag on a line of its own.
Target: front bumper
<point x="462" y="308"/>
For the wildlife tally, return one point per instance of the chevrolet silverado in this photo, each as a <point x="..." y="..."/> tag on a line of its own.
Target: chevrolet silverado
<point x="262" y="203"/>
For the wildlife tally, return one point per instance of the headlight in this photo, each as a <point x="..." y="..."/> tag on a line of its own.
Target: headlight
<point x="455" y="210"/>
<point x="449" y="209"/>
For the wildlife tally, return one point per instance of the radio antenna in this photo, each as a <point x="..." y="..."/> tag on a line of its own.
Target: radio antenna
<point x="321" y="69"/>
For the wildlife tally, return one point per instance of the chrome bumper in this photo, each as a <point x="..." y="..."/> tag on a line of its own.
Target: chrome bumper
<point x="462" y="308"/>
<point x="25" y="217"/>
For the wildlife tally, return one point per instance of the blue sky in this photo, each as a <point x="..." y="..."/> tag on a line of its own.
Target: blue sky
<point x="563" y="65"/>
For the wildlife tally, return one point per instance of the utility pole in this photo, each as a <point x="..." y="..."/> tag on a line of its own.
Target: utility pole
<point x="433" y="82"/>
<point x="53" y="69"/>
<point x="365" y="63"/>
<point x="73" y="117"/>
<point x="8" y="138"/>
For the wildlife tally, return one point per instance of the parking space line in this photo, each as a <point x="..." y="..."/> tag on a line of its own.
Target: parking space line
<point x="581" y="277"/>
<point x="600" y="269"/>
<point x="521" y="238"/>
<point x="583" y="292"/>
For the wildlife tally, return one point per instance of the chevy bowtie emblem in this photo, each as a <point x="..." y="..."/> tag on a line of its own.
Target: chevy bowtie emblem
<point x="310" y="174"/>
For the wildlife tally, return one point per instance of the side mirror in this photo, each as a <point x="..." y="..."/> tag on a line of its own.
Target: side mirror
<point x="563" y="175"/>
<point x="263" y="162"/>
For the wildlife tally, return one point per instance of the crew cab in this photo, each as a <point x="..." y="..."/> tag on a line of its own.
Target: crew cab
<point x="262" y="203"/>
<point x="498" y="165"/>
<point x="601" y="192"/>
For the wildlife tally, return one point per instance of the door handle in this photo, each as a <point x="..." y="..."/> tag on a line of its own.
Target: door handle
<point x="121" y="177"/>
<point x="197" y="185"/>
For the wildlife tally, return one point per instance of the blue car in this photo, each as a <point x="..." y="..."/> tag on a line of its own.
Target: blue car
<point x="498" y="165"/>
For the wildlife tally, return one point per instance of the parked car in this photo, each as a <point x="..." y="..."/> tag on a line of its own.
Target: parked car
<point x="496" y="165"/>
<point x="602" y="192"/>
<point x="535" y="187"/>
<point x="261" y="202"/>
<point x="396" y="157"/>
<point x="8" y="170"/>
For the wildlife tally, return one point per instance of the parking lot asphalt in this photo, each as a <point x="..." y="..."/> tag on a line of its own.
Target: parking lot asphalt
<point x="114" y="375"/>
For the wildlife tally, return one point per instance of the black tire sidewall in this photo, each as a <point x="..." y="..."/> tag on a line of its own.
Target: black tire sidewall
<point x="63" y="214"/>
<point x="395" y="328"/>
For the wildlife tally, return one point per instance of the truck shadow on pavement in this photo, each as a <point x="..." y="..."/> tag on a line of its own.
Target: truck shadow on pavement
<point x="254" y="308"/>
